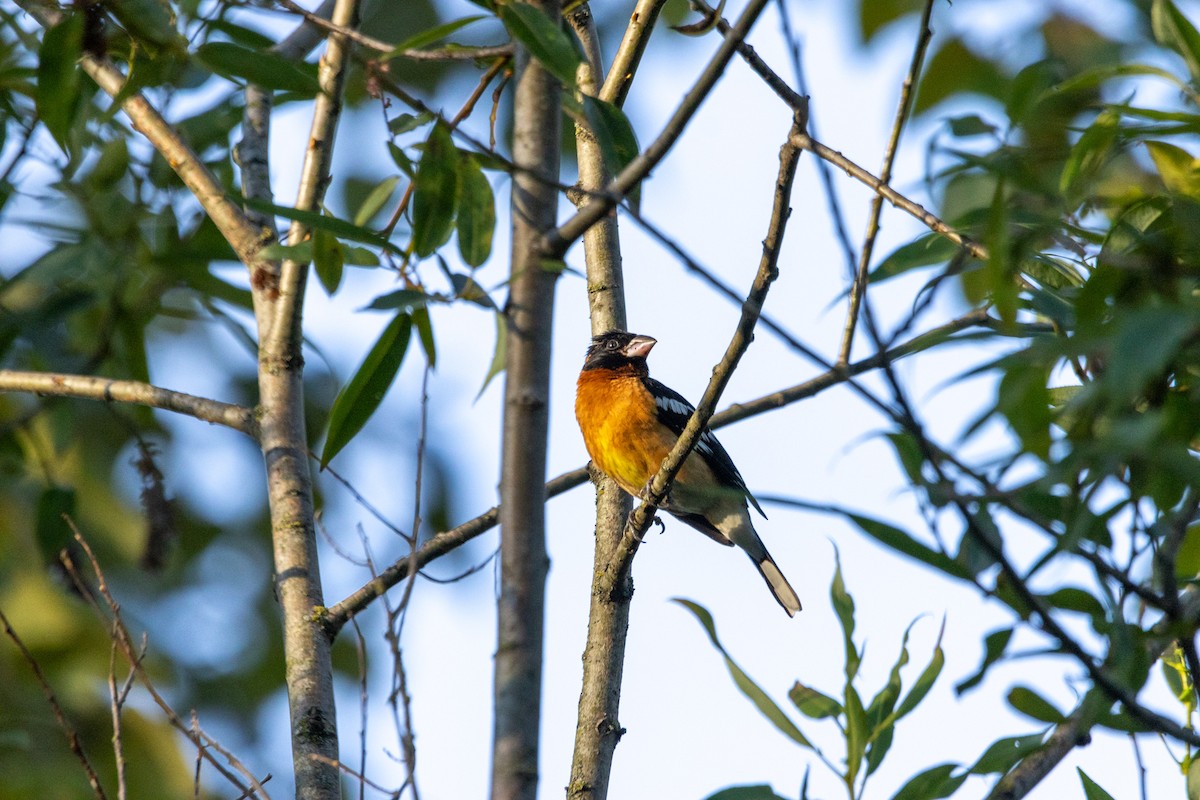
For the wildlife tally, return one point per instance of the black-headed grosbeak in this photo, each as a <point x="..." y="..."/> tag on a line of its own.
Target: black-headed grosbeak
<point x="631" y="421"/>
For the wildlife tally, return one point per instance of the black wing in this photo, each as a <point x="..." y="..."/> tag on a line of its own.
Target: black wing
<point x="674" y="411"/>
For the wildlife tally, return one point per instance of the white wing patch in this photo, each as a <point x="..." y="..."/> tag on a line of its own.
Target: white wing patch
<point x="673" y="406"/>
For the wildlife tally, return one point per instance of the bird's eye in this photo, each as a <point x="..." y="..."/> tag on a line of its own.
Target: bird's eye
<point x="611" y="344"/>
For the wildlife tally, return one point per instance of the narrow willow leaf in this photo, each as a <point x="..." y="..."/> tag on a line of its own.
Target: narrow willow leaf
<point x="329" y="260"/>
<point x="339" y="227"/>
<point x="843" y="607"/>
<point x="744" y="683"/>
<point x="49" y="528"/>
<point x="1179" y="170"/>
<point x="903" y="542"/>
<point x="425" y="38"/>
<point x="994" y="644"/>
<point x="499" y="354"/>
<point x="543" y="38"/>
<point x="1091" y="789"/>
<point x="436" y="193"/>
<point x="424" y="325"/>
<point x="401" y="298"/>
<point x="812" y="703"/>
<point x="58" y="82"/>
<point x="616" y="138"/>
<point x="857" y="732"/>
<point x="375" y="199"/>
<point x="1031" y="704"/>
<point x="932" y="784"/>
<point x="261" y="67"/>
<point x="150" y="22"/>
<point x="301" y="253"/>
<point x="1172" y="29"/>
<point x="923" y="251"/>
<point x="761" y="791"/>
<point x="362" y="395"/>
<point x="476" y="213"/>
<point x="1004" y="754"/>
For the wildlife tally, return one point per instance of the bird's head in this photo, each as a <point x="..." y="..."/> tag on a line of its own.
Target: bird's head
<point x="618" y="349"/>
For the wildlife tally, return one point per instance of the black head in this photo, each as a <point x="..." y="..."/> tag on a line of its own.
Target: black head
<point x="619" y="349"/>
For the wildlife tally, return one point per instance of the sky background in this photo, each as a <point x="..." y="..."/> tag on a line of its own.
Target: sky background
<point x="689" y="731"/>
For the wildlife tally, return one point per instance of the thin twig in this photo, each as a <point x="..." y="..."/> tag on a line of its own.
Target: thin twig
<point x="556" y="242"/>
<point x="60" y="717"/>
<point x="112" y="617"/>
<point x="629" y="53"/>
<point x="927" y="218"/>
<point x="87" y="387"/>
<point x="444" y="54"/>
<point x="639" y="520"/>
<point x="859" y="287"/>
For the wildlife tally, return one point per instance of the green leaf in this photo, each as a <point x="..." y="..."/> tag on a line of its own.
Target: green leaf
<point x="932" y="784"/>
<point x="404" y="122"/>
<point x="476" y="213"/>
<point x="761" y="791"/>
<point x="1025" y="402"/>
<point x="436" y="193"/>
<point x="150" y="22"/>
<point x="1187" y="559"/>
<point x="615" y="136"/>
<point x="58" y="77"/>
<point x="401" y="298"/>
<point x="954" y="69"/>
<point x="339" y="227"/>
<point x="499" y="354"/>
<point x="358" y="399"/>
<point x="857" y="731"/>
<point x="425" y="38"/>
<point x="924" y="683"/>
<point x="1031" y="704"/>
<point x="1179" y="170"/>
<point x="874" y="15"/>
<point x="329" y="259"/>
<point x="903" y="542"/>
<point x="263" y="68"/>
<point x="843" y="607"/>
<point x="812" y="703"/>
<point x="421" y="319"/>
<point x="1172" y="29"/>
<point x="748" y="687"/>
<point x="969" y="125"/>
<point x="374" y="200"/>
<point x="543" y="38"/>
<point x="921" y="252"/>
<point x="1091" y="789"/>
<point x="1193" y="779"/>
<point x="1004" y="754"/>
<point x="878" y="747"/>
<point x="994" y="645"/>
<point x="1095" y="148"/>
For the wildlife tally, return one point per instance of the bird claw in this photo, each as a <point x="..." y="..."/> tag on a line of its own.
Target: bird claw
<point x="657" y="521"/>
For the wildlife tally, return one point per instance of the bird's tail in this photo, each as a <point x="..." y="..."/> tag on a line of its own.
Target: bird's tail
<point x="783" y="591"/>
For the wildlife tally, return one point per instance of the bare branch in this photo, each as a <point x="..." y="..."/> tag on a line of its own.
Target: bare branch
<point x="86" y="387"/>
<point x="629" y="53"/>
<point x="859" y="286"/>
<point x="557" y="241"/>
<point x="59" y="716"/>
<point x="597" y="729"/>
<point x="927" y="218"/>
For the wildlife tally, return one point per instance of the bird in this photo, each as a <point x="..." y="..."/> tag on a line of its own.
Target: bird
<point x="630" y="422"/>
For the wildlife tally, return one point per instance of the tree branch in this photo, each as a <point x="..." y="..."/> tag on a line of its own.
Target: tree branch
<point x="557" y="241"/>
<point x="597" y="728"/>
<point x="859" y="287"/>
<point x="529" y="314"/>
<point x="86" y="387"/>
<point x="616" y="571"/>
<point x="927" y="218"/>
<point x="307" y="651"/>
<point x="616" y="84"/>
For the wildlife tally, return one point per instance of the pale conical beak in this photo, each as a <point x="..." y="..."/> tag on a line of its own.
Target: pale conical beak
<point x="640" y="346"/>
